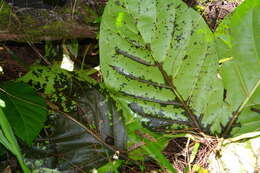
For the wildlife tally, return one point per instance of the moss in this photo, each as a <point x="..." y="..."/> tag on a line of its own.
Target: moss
<point x="54" y="29"/>
<point x="37" y="23"/>
<point x="35" y="26"/>
<point x="89" y="15"/>
<point x="5" y="13"/>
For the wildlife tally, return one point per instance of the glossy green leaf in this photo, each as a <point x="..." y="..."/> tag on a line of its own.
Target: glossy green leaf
<point x="158" y="60"/>
<point x="25" y="110"/>
<point x="238" y="38"/>
<point x="8" y="140"/>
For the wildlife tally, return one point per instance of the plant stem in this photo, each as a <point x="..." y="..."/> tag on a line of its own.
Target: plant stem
<point x="228" y="127"/>
<point x="191" y="115"/>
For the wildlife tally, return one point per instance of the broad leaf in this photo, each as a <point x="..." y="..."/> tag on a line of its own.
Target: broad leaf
<point x="47" y="78"/>
<point x="238" y="41"/>
<point x="26" y="111"/>
<point x="71" y="147"/>
<point x="159" y="62"/>
<point x="56" y="83"/>
<point x="8" y="140"/>
<point x="243" y="154"/>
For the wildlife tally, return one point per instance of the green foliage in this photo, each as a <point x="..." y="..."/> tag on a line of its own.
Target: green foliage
<point x="45" y="170"/>
<point x="8" y="140"/>
<point x="164" y="71"/>
<point x="160" y="63"/>
<point x="237" y="39"/>
<point x="72" y="47"/>
<point x="25" y="110"/>
<point x="4" y="13"/>
<point x="53" y="81"/>
<point x="57" y="83"/>
<point x="86" y="138"/>
<point x="51" y="50"/>
<point x="151" y="143"/>
<point x="50" y="79"/>
<point x="152" y="148"/>
<point x="110" y="167"/>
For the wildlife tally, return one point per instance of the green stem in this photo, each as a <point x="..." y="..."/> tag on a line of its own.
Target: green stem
<point x="240" y="109"/>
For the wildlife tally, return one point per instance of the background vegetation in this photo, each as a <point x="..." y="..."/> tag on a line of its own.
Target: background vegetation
<point x="175" y="87"/>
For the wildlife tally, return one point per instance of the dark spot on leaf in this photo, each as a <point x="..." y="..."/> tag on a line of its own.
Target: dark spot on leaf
<point x="117" y="2"/>
<point x="185" y="57"/>
<point x="255" y="110"/>
<point x="224" y="94"/>
<point x="148" y="46"/>
<point x="123" y="85"/>
<point x="132" y="57"/>
<point x="109" y="140"/>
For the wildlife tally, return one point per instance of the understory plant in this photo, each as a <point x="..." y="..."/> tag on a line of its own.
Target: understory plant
<point x="8" y="140"/>
<point x="22" y="114"/>
<point x="167" y="71"/>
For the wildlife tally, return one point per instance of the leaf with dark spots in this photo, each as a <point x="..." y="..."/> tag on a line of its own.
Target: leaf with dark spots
<point x="185" y="57"/>
<point x="161" y="102"/>
<point x="75" y="147"/>
<point x="175" y="61"/>
<point x="224" y="94"/>
<point x="160" y="116"/>
<point x="134" y="58"/>
<point x="131" y="76"/>
<point x="238" y="41"/>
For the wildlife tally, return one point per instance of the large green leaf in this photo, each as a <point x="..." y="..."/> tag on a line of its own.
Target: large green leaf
<point x="86" y="140"/>
<point x="159" y="62"/>
<point x="25" y="110"/>
<point x="238" y="40"/>
<point x="8" y="140"/>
